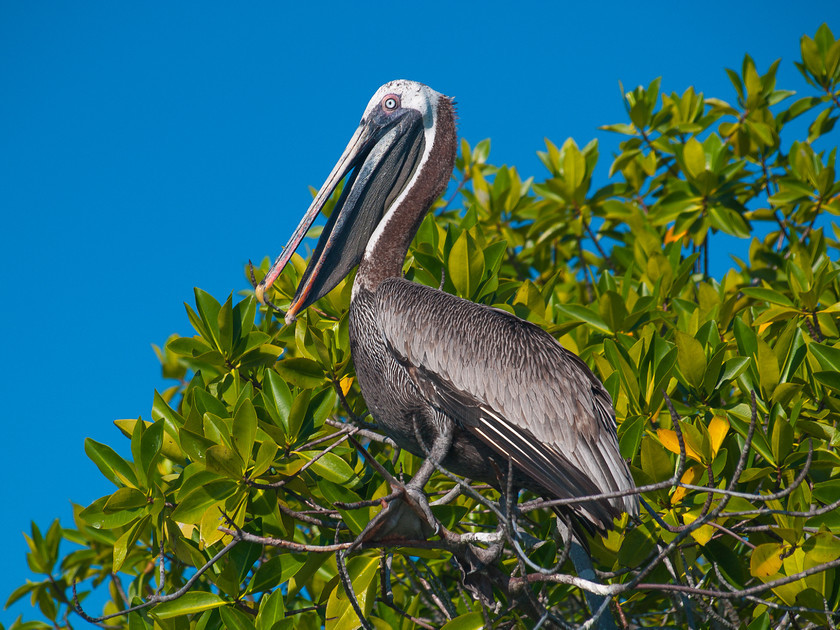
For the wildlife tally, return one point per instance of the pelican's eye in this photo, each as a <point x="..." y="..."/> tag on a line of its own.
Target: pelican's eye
<point x="390" y="102"/>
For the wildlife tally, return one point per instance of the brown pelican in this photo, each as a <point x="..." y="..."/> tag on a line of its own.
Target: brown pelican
<point x="431" y="364"/>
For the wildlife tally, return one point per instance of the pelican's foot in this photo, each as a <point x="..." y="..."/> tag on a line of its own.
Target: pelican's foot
<point x="406" y="517"/>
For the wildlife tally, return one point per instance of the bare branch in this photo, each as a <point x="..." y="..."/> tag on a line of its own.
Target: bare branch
<point x="348" y="586"/>
<point x="747" y="591"/>
<point x="159" y="599"/>
<point x="347" y="432"/>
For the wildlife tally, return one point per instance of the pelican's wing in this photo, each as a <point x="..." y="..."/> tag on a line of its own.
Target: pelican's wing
<point x="513" y="386"/>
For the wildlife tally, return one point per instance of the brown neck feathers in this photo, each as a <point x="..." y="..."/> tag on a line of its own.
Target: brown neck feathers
<point x="385" y="259"/>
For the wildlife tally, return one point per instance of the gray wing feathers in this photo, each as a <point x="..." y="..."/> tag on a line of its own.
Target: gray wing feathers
<point x="499" y="371"/>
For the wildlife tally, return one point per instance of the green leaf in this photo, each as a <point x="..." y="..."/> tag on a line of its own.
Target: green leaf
<point x="694" y="158"/>
<point x="329" y="466"/>
<point x="254" y="339"/>
<point x="225" y="323"/>
<point x="781" y="437"/>
<point x="828" y="356"/>
<point x="627" y="371"/>
<point x="272" y="610"/>
<point x="469" y="621"/>
<point x="114" y="467"/>
<point x="194" y="445"/>
<point x="356" y="520"/>
<point x="136" y="437"/>
<point x="759" y="441"/>
<point x="583" y="314"/>
<point x="612" y="309"/>
<point x="233" y="619"/>
<point x="768" y="367"/>
<point x="767" y="295"/>
<point x="172" y="420"/>
<point x="205" y="402"/>
<point x="827" y="491"/>
<point x="829" y="378"/>
<point x="96" y="516"/>
<point x="304" y="373"/>
<point x="465" y="265"/>
<point x="656" y="463"/>
<point x="277" y="392"/>
<point x="732" y="368"/>
<point x="691" y="359"/>
<point x="150" y="445"/>
<point x="775" y="314"/>
<point x="208" y="310"/>
<point x="217" y="429"/>
<point x="222" y="460"/>
<point x="821" y="547"/>
<point x="363" y="571"/>
<point x="274" y="572"/>
<point x="265" y="458"/>
<point x="297" y="414"/>
<point x="126" y="542"/>
<point x="188" y="604"/>
<point x="574" y="166"/>
<point x="125" y="499"/>
<point x="19" y="592"/>
<point x="630" y="436"/>
<point x="192" y="507"/>
<point x="745" y="337"/>
<point x="245" y="429"/>
<point x="493" y="254"/>
<point x="188" y="346"/>
<point x="635" y="547"/>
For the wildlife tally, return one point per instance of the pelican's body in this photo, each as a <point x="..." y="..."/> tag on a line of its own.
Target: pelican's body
<point x="429" y="362"/>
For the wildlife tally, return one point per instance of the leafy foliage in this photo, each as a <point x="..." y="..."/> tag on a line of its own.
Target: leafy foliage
<point x="247" y="478"/>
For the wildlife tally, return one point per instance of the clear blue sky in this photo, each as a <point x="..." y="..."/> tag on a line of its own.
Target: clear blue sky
<point x="147" y="148"/>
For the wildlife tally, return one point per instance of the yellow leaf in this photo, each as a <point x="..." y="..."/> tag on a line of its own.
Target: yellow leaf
<point x="689" y="476"/>
<point x="792" y="564"/>
<point x="211" y="520"/>
<point x="702" y="534"/>
<point x="363" y="571"/>
<point x="671" y="237"/>
<point x="766" y="560"/>
<point x="718" y="428"/>
<point x="669" y="440"/>
<point x="186" y="529"/>
<point x="345" y="384"/>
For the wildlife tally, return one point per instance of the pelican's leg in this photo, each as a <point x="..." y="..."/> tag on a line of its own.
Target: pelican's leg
<point x="434" y="457"/>
<point x="409" y="516"/>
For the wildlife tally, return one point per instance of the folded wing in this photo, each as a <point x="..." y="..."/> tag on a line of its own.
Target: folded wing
<point x="514" y="387"/>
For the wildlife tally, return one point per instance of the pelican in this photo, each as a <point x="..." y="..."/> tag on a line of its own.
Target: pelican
<point x="474" y="387"/>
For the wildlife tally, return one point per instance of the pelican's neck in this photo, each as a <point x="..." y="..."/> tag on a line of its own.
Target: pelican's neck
<point x="388" y="246"/>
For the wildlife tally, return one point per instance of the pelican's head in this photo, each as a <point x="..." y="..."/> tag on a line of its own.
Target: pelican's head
<point x="392" y="140"/>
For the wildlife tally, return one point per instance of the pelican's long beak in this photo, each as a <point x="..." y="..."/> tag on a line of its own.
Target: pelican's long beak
<point x="382" y="155"/>
<point x="358" y="146"/>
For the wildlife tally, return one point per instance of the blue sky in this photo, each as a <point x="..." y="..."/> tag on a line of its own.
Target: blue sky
<point x="148" y="148"/>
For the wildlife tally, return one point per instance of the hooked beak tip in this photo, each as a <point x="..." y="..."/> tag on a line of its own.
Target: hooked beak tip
<point x="291" y="314"/>
<point x="259" y="291"/>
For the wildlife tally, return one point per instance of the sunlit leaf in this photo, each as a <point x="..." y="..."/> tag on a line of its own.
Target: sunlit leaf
<point x="189" y="603"/>
<point x="669" y="440"/>
<point x="766" y="560"/>
<point x="718" y="428"/>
